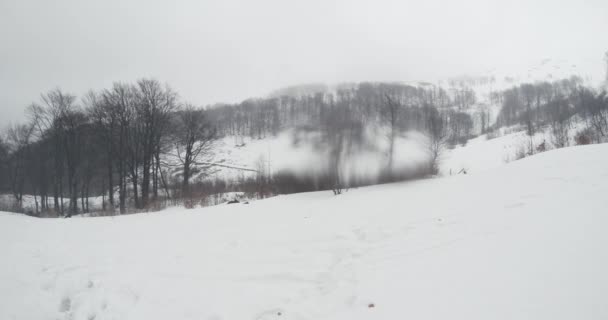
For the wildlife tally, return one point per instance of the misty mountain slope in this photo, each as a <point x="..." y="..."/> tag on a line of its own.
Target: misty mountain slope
<point x="240" y="156"/>
<point x="237" y="157"/>
<point x="523" y="241"/>
<point x="280" y="153"/>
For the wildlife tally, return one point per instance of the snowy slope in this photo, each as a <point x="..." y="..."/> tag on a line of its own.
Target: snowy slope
<point x="484" y="153"/>
<point x="525" y="241"/>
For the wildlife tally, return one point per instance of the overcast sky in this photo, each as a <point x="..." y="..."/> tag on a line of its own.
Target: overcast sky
<point x="227" y="50"/>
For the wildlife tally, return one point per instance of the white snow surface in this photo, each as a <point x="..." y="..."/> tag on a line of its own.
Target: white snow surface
<point x="521" y="241"/>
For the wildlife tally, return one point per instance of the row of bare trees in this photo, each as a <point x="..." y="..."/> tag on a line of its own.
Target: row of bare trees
<point x="554" y="104"/>
<point x="258" y="118"/>
<point x="128" y="143"/>
<point x="133" y="119"/>
<point x="110" y="143"/>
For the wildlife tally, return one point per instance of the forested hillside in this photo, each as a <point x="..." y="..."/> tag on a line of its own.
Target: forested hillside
<point x="140" y="146"/>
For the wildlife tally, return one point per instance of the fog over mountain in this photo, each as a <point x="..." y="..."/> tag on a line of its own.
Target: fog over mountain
<point x="227" y="51"/>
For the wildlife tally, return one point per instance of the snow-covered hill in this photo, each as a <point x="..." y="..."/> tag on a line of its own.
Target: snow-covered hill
<point x="522" y="241"/>
<point x="236" y="157"/>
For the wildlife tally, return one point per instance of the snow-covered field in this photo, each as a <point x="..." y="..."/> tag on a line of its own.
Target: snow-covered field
<point x="521" y="241"/>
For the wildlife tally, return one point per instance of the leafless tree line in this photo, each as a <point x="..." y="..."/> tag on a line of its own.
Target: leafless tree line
<point x="556" y="105"/>
<point x="128" y="143"/>
<point x="258" y="118"/>
<point x="108" y="143"/>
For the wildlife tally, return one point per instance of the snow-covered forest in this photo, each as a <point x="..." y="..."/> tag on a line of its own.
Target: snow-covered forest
<point x="141" y="147"/>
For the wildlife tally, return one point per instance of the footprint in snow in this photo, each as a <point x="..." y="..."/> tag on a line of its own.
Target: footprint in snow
<point x="65" y="305"/>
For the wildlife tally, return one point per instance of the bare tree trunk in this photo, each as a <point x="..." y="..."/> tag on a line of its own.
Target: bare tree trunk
<point x="73" y="196"/>
<point x="165" y="186"/>
<point x="156" y="171"/>
<point x="103" y="197"/>
<point x="110" y="181"/>
<point x="186" y="181"/>
<point x="86" y="194"/>
<point x="82" y="199"/>
<point x="391" y="151"/>
<point x="122" y="171"/>
<point x="134" y="181"/>
<point x="122" y="192"/>
<point x="36" y="202"/>
<point x="145" y="183"/>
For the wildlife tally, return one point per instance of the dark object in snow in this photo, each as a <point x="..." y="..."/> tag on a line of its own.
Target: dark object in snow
<point x="246" y="202"/>
<point x="541" y="147"/>
<point x="463" y="171"/>
<point x="582" y="139"/>
<point x="279" y="313"/>
<point x="371" y="305"/>
<point x="233" y="201"/>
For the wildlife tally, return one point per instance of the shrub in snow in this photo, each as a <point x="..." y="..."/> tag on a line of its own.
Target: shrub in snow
<point x="541" y="147"/>
<point x="583" y="137"/>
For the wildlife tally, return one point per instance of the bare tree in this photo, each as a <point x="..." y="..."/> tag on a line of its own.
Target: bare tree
<point x="61" y="119"/>
<point x="154" y="105"/>
<point x="105" y="122"/>
<point x="73" y="122"/>
<point x="484" y="118"/>
<point x="437" y="137"/>
<point x="4" y="153"/>
<point x="262" y="177"/>
<point x="391" y="113"/>
<point x="193" y="138"/>
<point x="560" y="122"/>
<point x="117" y="117"/>
<point x="341" y="132"/>
<point x="595" y="109"/>
<point x="19" y="140"/>
<point x="528" y="93"/>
